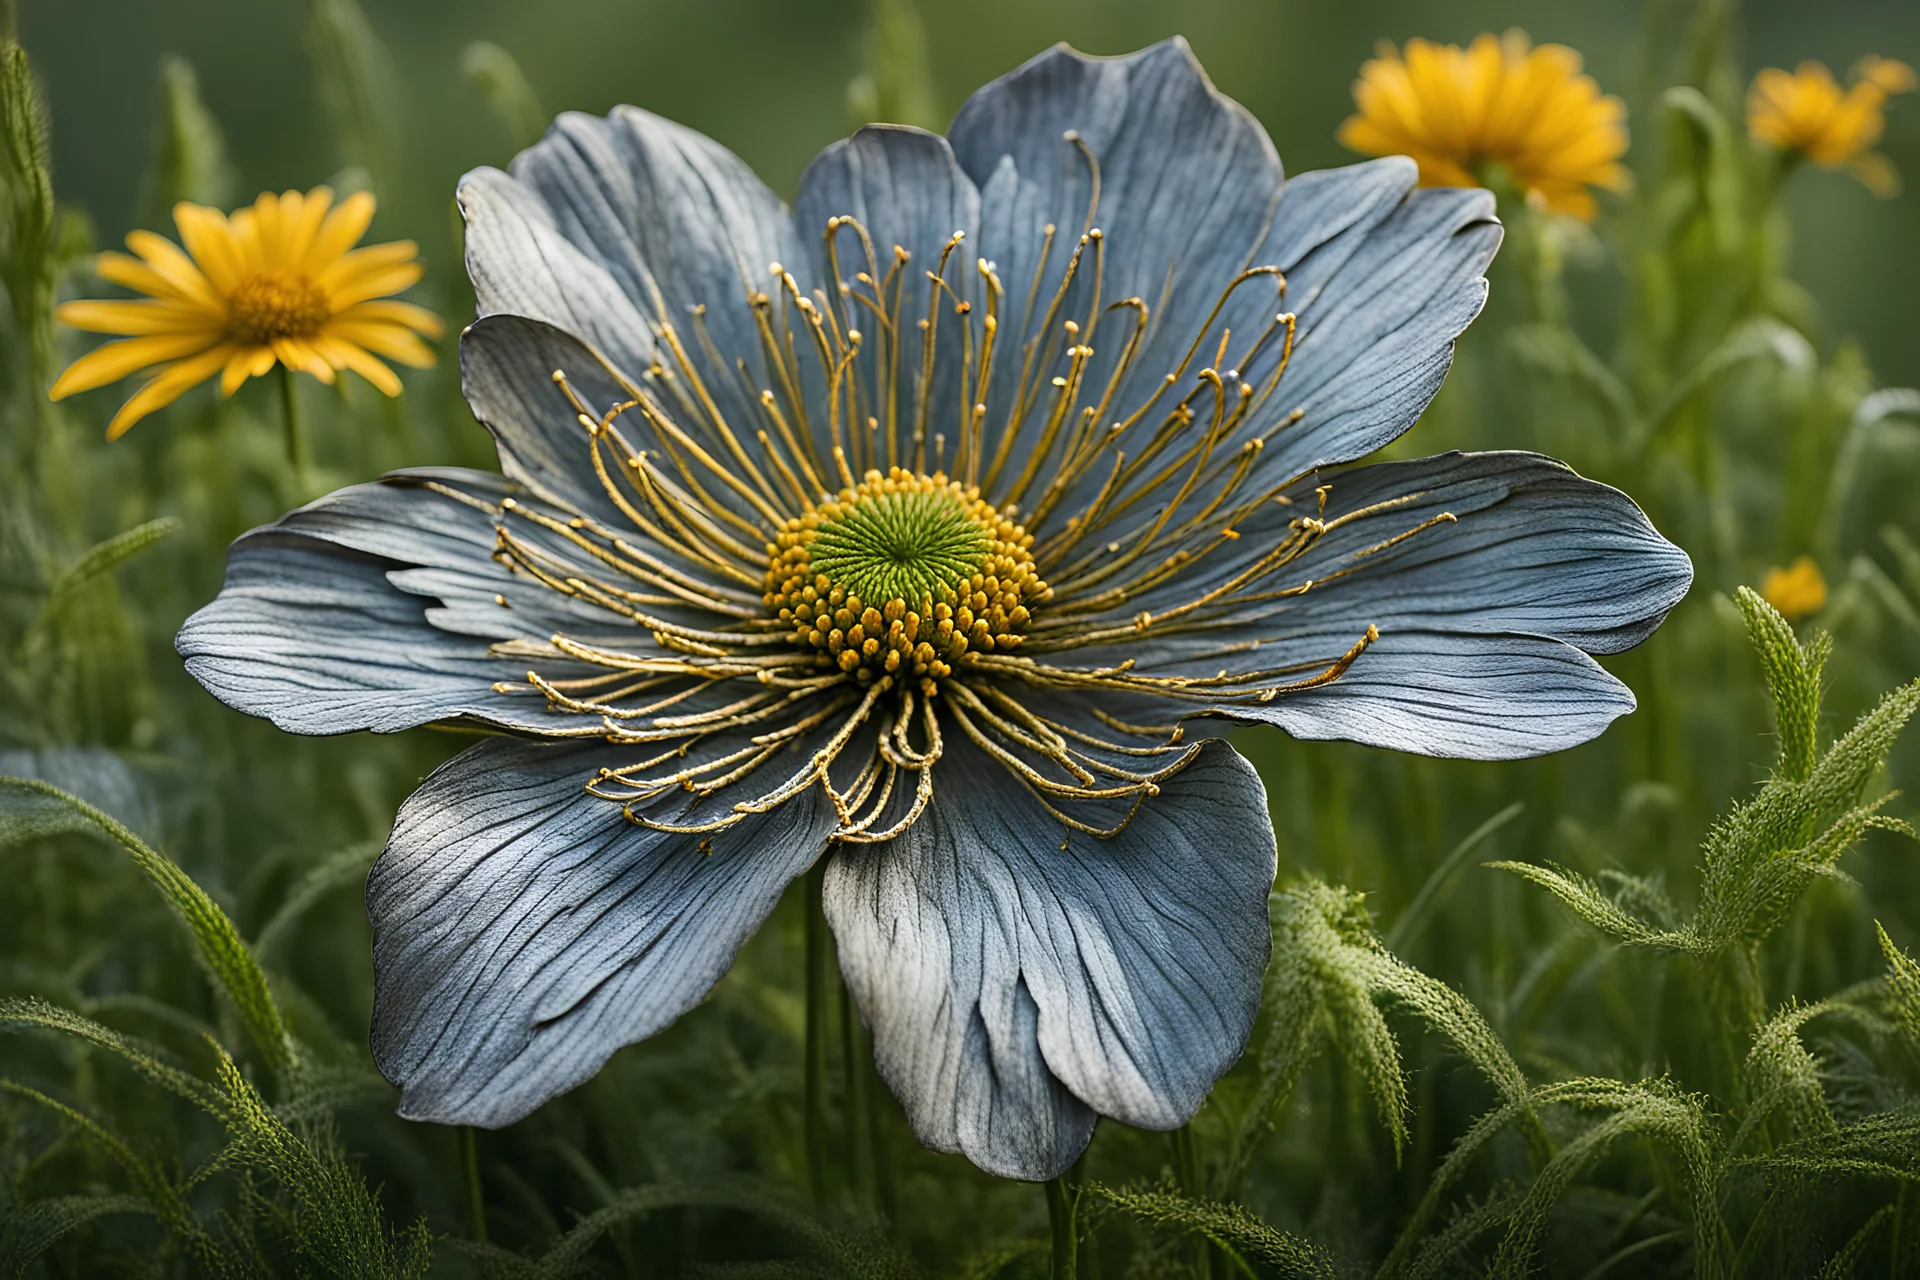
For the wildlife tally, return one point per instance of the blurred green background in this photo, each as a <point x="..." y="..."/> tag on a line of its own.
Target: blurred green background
<point x="768" y="79"/>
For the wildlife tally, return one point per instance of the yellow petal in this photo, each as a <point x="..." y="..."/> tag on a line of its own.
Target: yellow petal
<point x="340" y="232"/>
<point x="206" y="236"/>
<point x="245" y="362"/>
<point x="173" y="266"/>
<point x="115" y="360"/>
<point x="135" y="274"/>
<point x="132" y="317"/>
<point x="349" y="356"/>
<point x="389" y="340"/>
<point x="393" y="311"/>
<point x="1876" y="173"/>
<point x="303" y="225"/>
<point x="377" y="283"/>
<point x="371" y="258"/>
<point x="169" y="385"/>
<point x="299" y="355"/>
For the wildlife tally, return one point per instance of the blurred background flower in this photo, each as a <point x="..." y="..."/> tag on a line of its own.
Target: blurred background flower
<point x="1798" y="591"/>
<point x="1807" y="114"/>
<point x="1500" y="101"/>
<point x="278" y="281"/>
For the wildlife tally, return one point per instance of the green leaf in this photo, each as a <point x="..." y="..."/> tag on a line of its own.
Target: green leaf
<point x="31" y="805"/>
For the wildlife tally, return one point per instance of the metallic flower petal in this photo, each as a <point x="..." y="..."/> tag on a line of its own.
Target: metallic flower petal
<point x="1015" y="988"/>
<point x="524" y="930"/>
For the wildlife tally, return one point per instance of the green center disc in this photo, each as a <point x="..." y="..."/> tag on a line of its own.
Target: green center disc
<point x="900" y="546"/>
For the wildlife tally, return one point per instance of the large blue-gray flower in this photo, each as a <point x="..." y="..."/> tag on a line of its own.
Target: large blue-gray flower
<point x="931" y="526"/>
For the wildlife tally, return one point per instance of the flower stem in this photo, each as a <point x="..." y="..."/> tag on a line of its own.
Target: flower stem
<point x="296" y="426"/>
<point x="816" y="1043"/>
<point x="1063" y="1200"/>
<point x="476" y="1200"/>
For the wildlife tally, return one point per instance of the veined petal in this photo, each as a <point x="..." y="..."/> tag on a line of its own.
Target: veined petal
<point x="905" y="189"/>
<point x="607" y="227"/>
<point x="1471" y="697"/>
<point x="524" y="930"/>
<point x="507" y="365"/>
<point x="113" y="361"/>
<point x="313" y="632"/>
<point x="1187" y="185"/>
<point x="1015" y="987"/>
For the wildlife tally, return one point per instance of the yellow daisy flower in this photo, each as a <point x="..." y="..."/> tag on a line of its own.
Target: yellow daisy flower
<point x="1501" y="101"/>
<point x="277" y="281"/>
<point x="1806" y="112"/>
<point x="1798" y="591"/>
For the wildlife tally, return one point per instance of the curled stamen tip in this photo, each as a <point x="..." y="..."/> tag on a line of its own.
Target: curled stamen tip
<point x="1142" y="620"/>
<point x="501" y="600"/>
<point x="559" y="376"/>
<point x="1373" y="633"/>
<point x="1071" y="135"/>
<point x="1094" y="233"/>
<point x="775" y="269"/>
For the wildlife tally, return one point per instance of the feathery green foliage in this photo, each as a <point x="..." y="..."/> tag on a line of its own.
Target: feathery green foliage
<point x="30" y="808"/>
<point x="494" y="74"/>
<point x="1250" y="1245"/>
<point x="190" y="151"/>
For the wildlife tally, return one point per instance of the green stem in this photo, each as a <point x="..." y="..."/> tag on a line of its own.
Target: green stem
<point x="859" y="1167"/>
<point x="1063" y="1199"/>
<point x="816" y="1045"/>
<point x="1186" y="1169"/>
<point x="296" y="426"/>
<point x="476" y="1199"/>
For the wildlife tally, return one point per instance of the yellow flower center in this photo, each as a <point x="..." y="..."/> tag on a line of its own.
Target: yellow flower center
<point x="277" y="303"/>
<point x="903" y="575"/>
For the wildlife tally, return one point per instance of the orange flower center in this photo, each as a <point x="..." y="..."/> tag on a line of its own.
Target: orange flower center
<point x="276" y="304"/>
